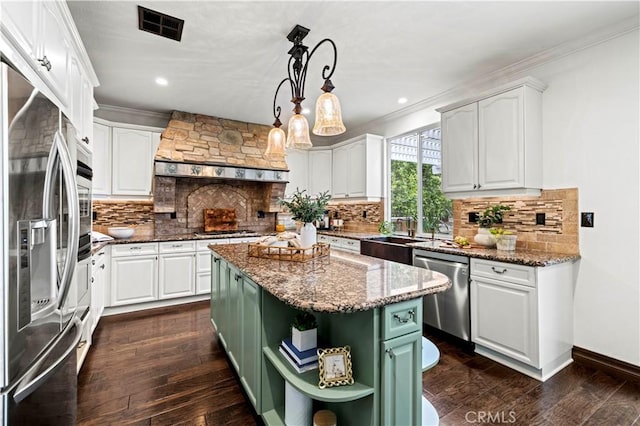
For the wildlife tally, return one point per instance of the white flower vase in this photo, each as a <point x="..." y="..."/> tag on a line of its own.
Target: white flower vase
<point x="484" y="238"/>
<point x="308" y="235"/>
<point x="304" y="340"/>
<point x="507" y="242"/>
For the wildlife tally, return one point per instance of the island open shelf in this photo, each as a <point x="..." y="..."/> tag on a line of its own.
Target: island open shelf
<point x="307" y="382"/>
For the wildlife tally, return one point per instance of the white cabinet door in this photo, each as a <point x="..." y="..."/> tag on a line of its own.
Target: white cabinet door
<point x="101" y="159"/>
<point x="177" y="275"/>
<point x="298" y="162"/>
<point x="132" y="162"/>
<point x="134" y="279"/>
<point x="501" y="141"/>
<point x="460" y="149"/>
<point x="504" y="318"/>
<point x="340" y="172"/>
<point x="320" y="165"/>
<point x="87" y="114"/>
<point x="20" y="17"/>
<point x="99" y="280"/>
<point x="54" y="46"/>
<point x="357" y="169"/>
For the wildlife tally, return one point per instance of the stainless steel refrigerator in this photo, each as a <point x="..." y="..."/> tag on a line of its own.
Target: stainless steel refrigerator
<point x="39" y="245"/>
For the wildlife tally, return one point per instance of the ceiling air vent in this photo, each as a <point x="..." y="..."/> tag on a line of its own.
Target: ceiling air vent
<point x="159" y="23"/>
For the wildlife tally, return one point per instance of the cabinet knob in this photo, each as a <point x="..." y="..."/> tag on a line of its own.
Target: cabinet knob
<point x="390" y="353"/>
<point x="493" y="268"/>
<point x="86" y="140"/>
<point x="102" y="266"/>
<point x="44" y="61"/>
<point x="237" y="277"/>
<point x="475" y="186"/>
<point x="404" y="320"/>
<point x="93" y="262"/>
<point x="92" y="280"/>
<point x="479" y="186"/>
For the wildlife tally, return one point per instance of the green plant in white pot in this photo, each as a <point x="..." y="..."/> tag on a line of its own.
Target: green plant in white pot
<point x="486" y="219"/>
<point x="304" y="331"/>
<point x="307" y="209"/>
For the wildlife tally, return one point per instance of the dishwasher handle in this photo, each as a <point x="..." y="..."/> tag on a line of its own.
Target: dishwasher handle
<point x="436" y="262"/>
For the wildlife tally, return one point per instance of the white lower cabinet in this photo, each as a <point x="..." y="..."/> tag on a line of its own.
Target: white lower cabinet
<point x="522" y="316"/>
<point x="203" y="265"/>
<point x="176" y="269"/>
<point x="134" y="276"/>
<point x="99" y="280"/>
<point x="340" y="243"/>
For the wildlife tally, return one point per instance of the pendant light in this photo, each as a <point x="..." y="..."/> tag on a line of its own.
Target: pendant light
<point x="328" y="111"/>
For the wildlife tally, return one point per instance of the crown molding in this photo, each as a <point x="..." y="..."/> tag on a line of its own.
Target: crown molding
<point x="78" y="45"/>
<point x="138" y="112"/>
<point x="474" y="85"/>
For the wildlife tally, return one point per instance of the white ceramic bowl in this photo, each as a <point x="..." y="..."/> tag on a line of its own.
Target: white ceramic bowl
<point x="121" y="232"/>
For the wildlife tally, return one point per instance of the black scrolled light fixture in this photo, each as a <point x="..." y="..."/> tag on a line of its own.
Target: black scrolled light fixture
<point x="328" y="112"/>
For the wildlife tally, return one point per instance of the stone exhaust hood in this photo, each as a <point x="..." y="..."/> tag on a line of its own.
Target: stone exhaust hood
<point x="200" y="170"/>
<point x="196" y="145"/>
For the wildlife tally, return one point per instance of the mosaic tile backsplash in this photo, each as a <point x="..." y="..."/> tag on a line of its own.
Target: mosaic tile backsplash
<point x="558" y="234"/>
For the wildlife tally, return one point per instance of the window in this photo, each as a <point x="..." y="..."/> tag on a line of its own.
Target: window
<point x="412" y="186"/>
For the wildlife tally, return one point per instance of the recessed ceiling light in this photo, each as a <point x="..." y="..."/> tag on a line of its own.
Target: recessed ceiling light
<point x="306" y="111"/>
<point x="402" y="100"/>
<point x="161" y="81"/>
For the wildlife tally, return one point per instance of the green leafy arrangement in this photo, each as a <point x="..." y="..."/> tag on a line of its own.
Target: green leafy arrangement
<point x="492" y="215"/>
<point x="304" y="321"/>
<point x="305" y="208"/>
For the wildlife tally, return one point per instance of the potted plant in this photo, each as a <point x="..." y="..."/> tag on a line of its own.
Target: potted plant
<point x="488" y="218"/>
<point x="304" y="331"/>
<point x="307" y="209"/>
<point x="505" y="240"/>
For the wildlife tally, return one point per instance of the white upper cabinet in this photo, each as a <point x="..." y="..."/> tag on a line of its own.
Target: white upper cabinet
<point x="123" y="159"/>
<point x="460" y="152"/>
<point x="53" y="48"/>
<point x="298" y="162"/>
<point x="21" y="18"/>
<point x="357" y="169"/>
<point x="320" y="163"/>
<point x="493" y="144"/>
<point x="101" y="159"/>
<point x="132" y="162"/>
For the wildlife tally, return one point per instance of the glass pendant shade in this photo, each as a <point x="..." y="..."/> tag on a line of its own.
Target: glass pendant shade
<point x="328" y="116"/>
<point x="276" y="142"/>
<point x="298" y="133"/>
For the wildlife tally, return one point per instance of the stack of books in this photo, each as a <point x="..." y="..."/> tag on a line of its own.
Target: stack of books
<point x="301" y="361"/>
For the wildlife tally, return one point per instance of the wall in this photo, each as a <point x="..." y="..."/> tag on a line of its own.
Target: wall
<point x="132" y="213"/>
<point x="352" y="214"/>
<point x="590" y="142"/>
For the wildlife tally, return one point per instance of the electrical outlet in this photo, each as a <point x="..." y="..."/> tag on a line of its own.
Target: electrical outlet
<point x="94" y="215"/>
<point x="473" y="217"/>
<point x="260" y="214"/>
<point x="173" y="215"/>
<point x="586" y="219"/>
<point x="540" y="218"/>
<point x="364" y="214"/>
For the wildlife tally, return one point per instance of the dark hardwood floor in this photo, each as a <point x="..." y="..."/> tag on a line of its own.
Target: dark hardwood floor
<point x="165" y="367"/>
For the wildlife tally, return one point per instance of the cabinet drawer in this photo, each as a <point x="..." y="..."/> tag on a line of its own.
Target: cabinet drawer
<point x="141" y="249"/>
<point x="204" y="244"/>
<point x="517" y="274"/>
<point x="353" y="245"/>
<point x="177" y="246"/>
<point x="401" y="318"/>
<point x="324" y="239"/>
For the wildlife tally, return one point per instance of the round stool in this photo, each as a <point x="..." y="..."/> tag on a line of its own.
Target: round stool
<point x="430" y="357"/>
<point x="324" y="418"/>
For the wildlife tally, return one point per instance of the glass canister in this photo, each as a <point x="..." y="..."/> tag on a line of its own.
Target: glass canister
<point x="280" y="225"/>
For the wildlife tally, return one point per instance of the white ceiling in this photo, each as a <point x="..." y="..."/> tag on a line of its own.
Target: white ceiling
<point x="234" y="53"/>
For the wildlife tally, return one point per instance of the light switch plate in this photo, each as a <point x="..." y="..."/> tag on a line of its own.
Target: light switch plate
<point x="586" y="219"/>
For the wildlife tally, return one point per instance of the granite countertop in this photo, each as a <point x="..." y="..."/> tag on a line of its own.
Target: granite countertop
<point x="137" y="239"/>
<point x="521" y="257"/>
<point x="342" y="282"/>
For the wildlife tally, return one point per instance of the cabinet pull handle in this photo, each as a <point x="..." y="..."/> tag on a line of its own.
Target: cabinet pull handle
<point x="215" y="259"/>
<point x="479" y="186"/>
<point x="92" y="280"/>
<point x="493" y="268"/>
<point x="135" y="248"/>
<point x="237" y="277"/>
<point x="45" y="62"/>
<point x="390" y="353"/>
<point x="475" y="186"/>
<point x="176" y="245"/>
<point x="102" y="266"/>
<point x="86" y="140"/>
<point x="101" y="253"/>
<point x="93" y="262"/>
<point x="404" y="320"/>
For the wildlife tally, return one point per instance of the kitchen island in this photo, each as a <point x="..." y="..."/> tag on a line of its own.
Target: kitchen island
<point x="372" y="305"/>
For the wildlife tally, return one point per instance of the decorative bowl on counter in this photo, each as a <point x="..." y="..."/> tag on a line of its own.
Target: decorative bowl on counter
<point x="121" y="232"/>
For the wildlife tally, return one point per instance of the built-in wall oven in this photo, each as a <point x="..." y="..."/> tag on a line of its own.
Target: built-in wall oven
<point x="84" y="176"/>
<point x="448" y="311"/>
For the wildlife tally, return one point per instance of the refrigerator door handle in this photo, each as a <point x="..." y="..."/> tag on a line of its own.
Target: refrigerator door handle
<point x="74" y="217"/>
<point x="23" y="389"/>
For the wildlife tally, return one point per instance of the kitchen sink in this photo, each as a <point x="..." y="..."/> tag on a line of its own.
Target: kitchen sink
<point x="389" y="248"/>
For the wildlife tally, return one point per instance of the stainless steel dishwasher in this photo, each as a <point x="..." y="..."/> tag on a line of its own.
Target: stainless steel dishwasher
<point x="447" y="311"/>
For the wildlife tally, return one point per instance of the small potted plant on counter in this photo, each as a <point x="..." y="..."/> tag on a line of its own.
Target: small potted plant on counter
<point x="488" y="218"/>
<point x="304" y="331"/>
<point x="307" y="209"/>
<point x="505" y="240"/>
